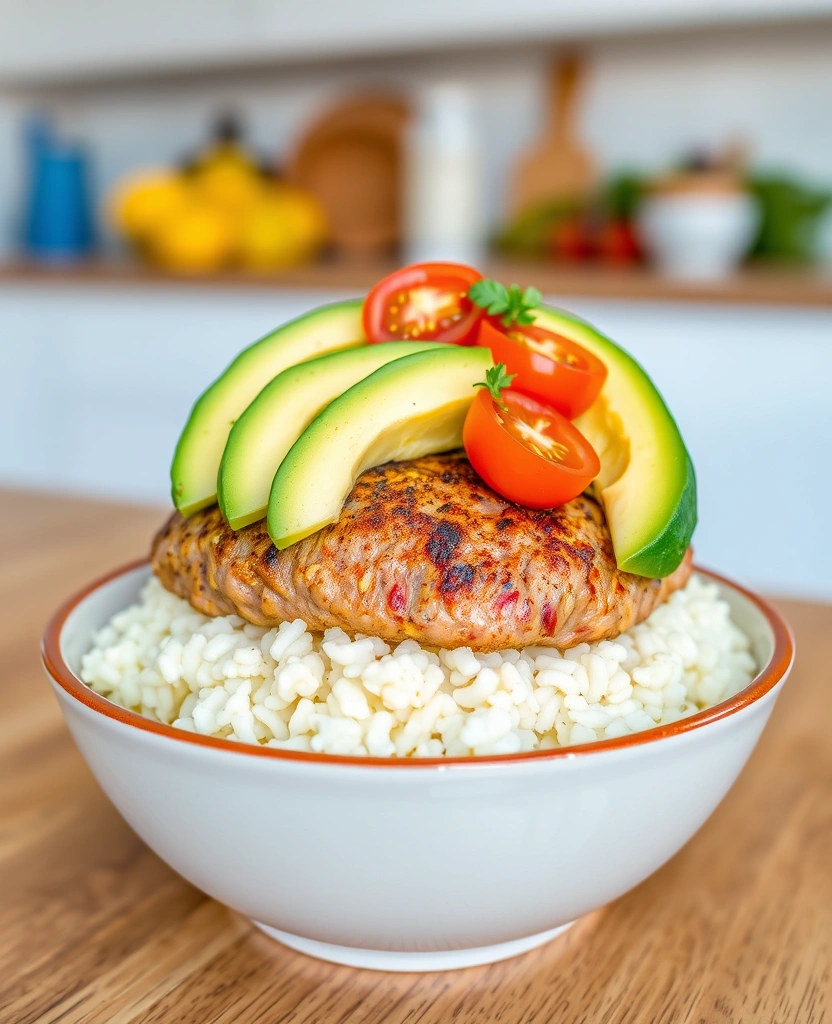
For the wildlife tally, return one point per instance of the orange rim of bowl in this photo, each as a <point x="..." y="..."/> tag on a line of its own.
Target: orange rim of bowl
<point x="764" y="681"/>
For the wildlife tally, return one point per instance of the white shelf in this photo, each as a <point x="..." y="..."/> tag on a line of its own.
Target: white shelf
<point x="43" y="41"/>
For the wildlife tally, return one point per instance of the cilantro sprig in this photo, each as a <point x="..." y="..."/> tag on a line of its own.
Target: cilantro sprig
<point x="496" y="381"/>
<point x="512" y="305"/>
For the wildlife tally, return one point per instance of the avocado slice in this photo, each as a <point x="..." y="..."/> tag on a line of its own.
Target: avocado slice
<point x="411" y="407"/>
<point x="268" y="428"/>
<point x="647" y="484"/>
<point x="196" y="460"/>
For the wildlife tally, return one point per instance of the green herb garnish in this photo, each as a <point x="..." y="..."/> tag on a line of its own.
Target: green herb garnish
<point x="496" y="381"/>
<point x="512" y="305"/>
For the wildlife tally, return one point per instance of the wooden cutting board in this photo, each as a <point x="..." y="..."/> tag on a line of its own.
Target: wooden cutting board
<point x="559" y="166"/>
<point x="352" y="160"/>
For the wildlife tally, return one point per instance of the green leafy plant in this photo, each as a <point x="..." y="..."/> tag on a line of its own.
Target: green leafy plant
<point x="512" y="305"/>
<point x="621" y="196"/>
<point x="790" y="219"/>
<point x="496" y="381"/>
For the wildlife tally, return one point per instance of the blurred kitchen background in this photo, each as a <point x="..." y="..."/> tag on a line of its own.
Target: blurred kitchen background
<point x="178" y="178"/>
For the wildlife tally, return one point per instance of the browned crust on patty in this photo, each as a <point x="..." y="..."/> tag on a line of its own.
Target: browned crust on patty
<point x="423" y="549"/>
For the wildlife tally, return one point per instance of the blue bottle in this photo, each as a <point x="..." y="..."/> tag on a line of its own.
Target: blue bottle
<point x="58" y="220"/>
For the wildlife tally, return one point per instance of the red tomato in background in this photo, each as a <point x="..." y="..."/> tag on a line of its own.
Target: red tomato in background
<point x="554" y="369"/>
<point x="424" y="302"/>
<point x="571" y="239"/>
<point x="618" y="243"/>
<point x="528" y="452"/>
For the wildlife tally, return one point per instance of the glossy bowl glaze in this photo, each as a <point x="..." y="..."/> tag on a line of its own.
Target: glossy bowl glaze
<point x="412" y="864"/>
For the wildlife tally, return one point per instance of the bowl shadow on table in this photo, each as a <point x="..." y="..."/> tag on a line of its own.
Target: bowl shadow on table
<point x="557" y="961"/>
<point x="585" y="971"/>
<point x="573" y="974"/>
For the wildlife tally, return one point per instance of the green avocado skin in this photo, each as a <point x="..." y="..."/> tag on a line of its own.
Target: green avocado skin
<point x="664" y="554"/>
<point x="676" y="511"/>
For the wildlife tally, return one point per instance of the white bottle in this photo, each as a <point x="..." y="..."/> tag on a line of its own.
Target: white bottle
<point x="443" y="190"/>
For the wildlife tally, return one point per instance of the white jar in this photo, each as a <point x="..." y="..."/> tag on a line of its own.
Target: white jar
<point x="698" y="235"/>
<point x="443" y="189"/>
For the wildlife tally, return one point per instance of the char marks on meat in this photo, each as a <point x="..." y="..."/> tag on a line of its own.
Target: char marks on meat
<point x="424" y="550"/>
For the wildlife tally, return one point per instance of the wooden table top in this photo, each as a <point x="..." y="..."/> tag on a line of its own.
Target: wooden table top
<point x="94" y="928"/>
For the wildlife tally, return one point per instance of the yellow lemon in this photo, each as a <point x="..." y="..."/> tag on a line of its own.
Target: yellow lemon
<point x="199" y="239"/>
<point x="147" y="201"/>
<point x="305" y="213"/>
<point x="229" y="183"/>
<point x="286" y="228"/>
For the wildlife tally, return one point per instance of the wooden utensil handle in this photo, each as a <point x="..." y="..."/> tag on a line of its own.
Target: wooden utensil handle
<point x="564" y="83"/>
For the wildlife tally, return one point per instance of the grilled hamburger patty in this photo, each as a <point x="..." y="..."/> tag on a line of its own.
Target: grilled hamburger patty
<point x="423" y="549"/>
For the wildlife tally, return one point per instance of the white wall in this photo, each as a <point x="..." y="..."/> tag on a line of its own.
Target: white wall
<point x="45" y="39"/>
<point x="648" y="100"/>
<point x="10" y="173"/>
<point x="651" y="99"/>
<point x="97" y="383"/>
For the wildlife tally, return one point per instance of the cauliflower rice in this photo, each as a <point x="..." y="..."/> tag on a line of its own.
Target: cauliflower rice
<point x="289" y="688"/>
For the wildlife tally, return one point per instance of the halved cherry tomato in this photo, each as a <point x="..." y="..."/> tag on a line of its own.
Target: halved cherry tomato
<point x="424" y="302"/>
<point x="528" y="452"/>
<point x="547" y="366"/>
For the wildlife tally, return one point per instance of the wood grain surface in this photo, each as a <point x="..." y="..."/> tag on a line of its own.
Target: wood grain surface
<point x="95" y="929"/>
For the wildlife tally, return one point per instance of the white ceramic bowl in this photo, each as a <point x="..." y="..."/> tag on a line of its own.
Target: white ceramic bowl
<point x="411" y="864"/>
<point x="698" y="235"/>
